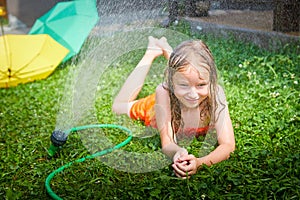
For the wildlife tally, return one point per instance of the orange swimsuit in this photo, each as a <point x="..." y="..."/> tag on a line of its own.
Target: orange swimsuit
<point x="143" y="109"/>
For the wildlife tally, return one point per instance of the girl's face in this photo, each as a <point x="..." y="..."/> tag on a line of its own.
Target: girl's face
<point x="191" y="86"/>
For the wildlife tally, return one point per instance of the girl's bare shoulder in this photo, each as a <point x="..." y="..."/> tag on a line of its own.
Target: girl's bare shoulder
<point x="162" y="94"/>
<point x="221" y="92"/>
<point x="221" y="98"/>
<point x="162" y="89"/>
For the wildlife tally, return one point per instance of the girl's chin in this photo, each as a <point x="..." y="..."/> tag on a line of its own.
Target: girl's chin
<point x="189" y="105"/>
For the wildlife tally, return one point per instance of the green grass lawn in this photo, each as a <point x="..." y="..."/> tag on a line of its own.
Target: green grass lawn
<point x="263" y="92"/>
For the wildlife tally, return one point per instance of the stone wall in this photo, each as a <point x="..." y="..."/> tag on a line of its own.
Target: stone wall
<point x="286" y="15"/>
<point x="242" y="4"/>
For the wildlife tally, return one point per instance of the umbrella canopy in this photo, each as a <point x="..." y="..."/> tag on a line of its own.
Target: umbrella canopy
<point x="69" y="23"/>
<point x="25" y="58"/>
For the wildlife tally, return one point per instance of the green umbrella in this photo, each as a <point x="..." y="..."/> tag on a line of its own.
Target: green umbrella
<point x="69" y="23"/>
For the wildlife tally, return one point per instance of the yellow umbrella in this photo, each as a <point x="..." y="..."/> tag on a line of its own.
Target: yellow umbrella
<point x="25" y="58"/>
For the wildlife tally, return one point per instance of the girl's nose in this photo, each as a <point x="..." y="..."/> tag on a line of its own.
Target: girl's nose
<point x="193" y="94"/>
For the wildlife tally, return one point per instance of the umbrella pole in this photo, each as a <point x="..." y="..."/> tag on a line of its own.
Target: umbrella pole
<point x="4" y="41"/>
<point x="1" y="24"/>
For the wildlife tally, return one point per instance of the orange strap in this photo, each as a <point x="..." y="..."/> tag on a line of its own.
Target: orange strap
<point x="196" y="131"/>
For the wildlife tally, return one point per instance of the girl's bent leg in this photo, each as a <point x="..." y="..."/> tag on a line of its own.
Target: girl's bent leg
<point x="135" y="81"/>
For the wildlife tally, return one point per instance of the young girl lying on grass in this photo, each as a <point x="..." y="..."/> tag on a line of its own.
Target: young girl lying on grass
<point x="189" y="102"/>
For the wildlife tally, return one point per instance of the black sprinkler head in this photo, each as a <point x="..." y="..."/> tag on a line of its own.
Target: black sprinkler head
<point x="58" y="138"/>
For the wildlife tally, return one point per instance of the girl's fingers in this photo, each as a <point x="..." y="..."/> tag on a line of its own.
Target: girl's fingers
<point x="180" y="169"/>
<point x="185" y="167"/>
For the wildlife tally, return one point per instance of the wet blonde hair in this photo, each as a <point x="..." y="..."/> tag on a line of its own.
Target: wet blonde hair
<point x="197" y="54"/>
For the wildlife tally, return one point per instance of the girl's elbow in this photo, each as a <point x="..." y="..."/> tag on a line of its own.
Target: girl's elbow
<point x="228" y="149"/>
<point x="231" y="148"/>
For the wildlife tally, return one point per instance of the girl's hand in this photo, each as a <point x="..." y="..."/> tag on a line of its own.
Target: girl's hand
<point x="185" y="166"/>
<point x="180" y="153"/>
<point x="178" y="163"/>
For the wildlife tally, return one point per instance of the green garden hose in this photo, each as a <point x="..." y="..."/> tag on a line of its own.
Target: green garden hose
<point x="100" y="153"/>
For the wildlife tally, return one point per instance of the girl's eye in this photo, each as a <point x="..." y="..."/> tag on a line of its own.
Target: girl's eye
<point x="183" y="84"/>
